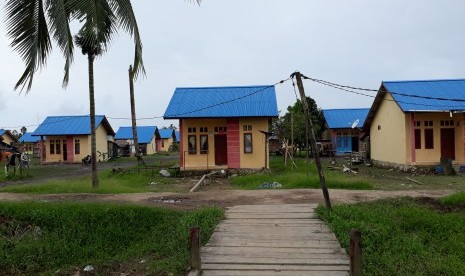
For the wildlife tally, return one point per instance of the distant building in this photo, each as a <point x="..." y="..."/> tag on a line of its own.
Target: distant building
<point x="68" y="138"/>
<point x="146" y="136"/>
<point x="30" y="144"/>
<point x="345" y="128"/>
<point x="418" y="122"/>
<point x="166" y="139"/>
<point x="223" y="127"/>
<point x="7" y="138"/>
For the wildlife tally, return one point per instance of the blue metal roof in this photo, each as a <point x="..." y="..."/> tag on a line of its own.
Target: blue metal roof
<point x="28" y="138"/>
<point x="345" y="118"/>
<point x="178" y="135"/>
<point x="2" y="131"/>
<point x="166" y="133"/>
<point x="447" y="89"/>
<point x="70" y="125"/>
<point x="144" y="134"/>
<point x="221" y="102"/>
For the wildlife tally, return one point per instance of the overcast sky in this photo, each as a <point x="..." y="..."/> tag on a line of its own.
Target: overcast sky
<point x="247" y="42"/>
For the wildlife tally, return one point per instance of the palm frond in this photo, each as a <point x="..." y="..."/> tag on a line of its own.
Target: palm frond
<point x="59" y="17"/>
<point x="27" y="27"/>
<point x="127" y="21"/>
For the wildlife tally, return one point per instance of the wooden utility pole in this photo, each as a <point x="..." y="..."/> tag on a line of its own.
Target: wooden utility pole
<point x="133" y="115"/>
<point x="311" y="135"/>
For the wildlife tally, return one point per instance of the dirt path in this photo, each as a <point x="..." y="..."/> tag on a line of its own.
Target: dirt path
<point x="226" y="198"/>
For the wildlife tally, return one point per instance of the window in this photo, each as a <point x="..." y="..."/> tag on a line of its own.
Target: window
<point x="52" y="146"/>
<point x="204" y="129"/>
<point x="429" y="138"/>
<point x="162" y="143"/>
<point x="203" y="144"/>
<point x="192" y="140"/>
<point x="417" y="138"/>
<point x="417" y="123"/>
<point x="77" y="146"/>
<point x="57" y="147"/>
<point x="379" y="127"/>
<point x="192" y="130"/>
<point x="248" y="143"/>
<point x="247" y="127"/>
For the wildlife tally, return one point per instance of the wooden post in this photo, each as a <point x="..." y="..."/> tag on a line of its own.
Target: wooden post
<point x="311" y="135"/>
<point x="356" y="264"/>
<point x="194" y="245"/>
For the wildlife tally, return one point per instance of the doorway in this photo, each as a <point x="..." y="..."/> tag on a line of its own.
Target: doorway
<point x="65" y="151"/>
<point x="355" y="144"/>
<point x="221" y="150"/>
<point x="448" y="143"/>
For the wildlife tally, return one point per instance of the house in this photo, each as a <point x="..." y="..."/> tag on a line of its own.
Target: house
<point x="418" y="122"/>
<point x="223" y="127"/>
<point x="7" y="138"/>
<point x="30" y="144"/>
<point x="177" y="136"/>
<point x="166" y="139"/>
<point x="345" y="129"/>
<point x="68" y="138"/>
<point x="146" y="136"/>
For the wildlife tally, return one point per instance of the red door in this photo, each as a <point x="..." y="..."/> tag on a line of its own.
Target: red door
<point x="221" y="151"/>
<point x="448" y="143"/>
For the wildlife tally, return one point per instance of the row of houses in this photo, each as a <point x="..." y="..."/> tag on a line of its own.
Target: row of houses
<point x="409" y="123"/>
<point x="67" y="139"/>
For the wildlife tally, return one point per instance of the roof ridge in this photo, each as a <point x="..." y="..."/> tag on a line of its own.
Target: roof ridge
<point x="213" y="87"/>
<point x="356" y="108"/>
<point x="433" y="80"/>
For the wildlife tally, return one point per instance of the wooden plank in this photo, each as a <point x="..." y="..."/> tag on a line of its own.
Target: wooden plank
<point x="272" y="229"/>
<point x="275" y="267"/>
<point x="274" y="255"/>
<point x="277" y="244"/>
<point x="286" y="221"/>
<point x="218" y="259"/>
<point x="272" y="273"/>
<point x="273" y="206"/>
<point x="276" y="236"/>
<point x="239" y="250"/>
<point x="269" y="215"/>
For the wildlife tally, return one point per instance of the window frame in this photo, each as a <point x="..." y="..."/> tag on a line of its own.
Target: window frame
<point x="429" y="138"/>
<point x="201" y="149"/>
<point x="246" y="141"/>
<point x="194" y="149"/>
<point x="417" y="138"/>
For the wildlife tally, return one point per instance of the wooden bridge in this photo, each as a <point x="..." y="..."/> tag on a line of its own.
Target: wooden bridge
<point x="273" y="240"/>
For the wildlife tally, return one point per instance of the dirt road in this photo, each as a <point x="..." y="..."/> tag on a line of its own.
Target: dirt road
<point x="225" y="198"/>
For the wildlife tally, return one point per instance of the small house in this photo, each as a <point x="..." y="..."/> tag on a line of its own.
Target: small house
<point x="146" y="136"/>
<point x="345" y="129"/>
<point x="30" y="144"/>
<point x="7" y="137"/>
<point x="418" y="122"/>
<point x="68" y="138"/>
<point x="166" y="139"/>
<point x="223" y="127"/>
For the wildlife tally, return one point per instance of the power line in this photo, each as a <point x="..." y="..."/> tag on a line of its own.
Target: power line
<point x="345" y="87"/>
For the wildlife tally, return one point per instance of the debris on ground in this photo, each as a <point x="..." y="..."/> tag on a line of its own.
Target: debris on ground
<point x="266" y="185"/>
<point x="169" y="200"/>
<point x="165" y="173"/>
<point x="88" y="268"/>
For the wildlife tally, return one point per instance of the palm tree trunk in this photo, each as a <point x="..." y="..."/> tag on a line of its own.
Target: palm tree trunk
<point x="133" y="116"/>
<point x="93" y="143"/>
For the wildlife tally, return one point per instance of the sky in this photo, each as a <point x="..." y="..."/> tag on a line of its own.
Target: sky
<point x="246" y="42"/>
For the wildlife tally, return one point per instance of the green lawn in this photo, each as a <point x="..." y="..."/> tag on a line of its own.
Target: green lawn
<point x="60" y="238"/>
<point x="304" y="176"/>
<point x="405" y="236"/>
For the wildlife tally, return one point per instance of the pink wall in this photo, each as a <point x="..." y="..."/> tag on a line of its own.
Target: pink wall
<point x="233" y="142"/>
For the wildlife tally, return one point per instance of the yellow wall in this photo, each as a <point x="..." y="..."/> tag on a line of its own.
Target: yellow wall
<point x="200" y="161"/>
<point x="256" y="160"/>
<point x="388" y="144"/>
<point x="151" y="147"/>
<point x="165" y="144"/>
<point x="433" y="156"/>
<point x="197" y="161"/>
<point x="84" y="140"/>
<point x="7" y="139"/>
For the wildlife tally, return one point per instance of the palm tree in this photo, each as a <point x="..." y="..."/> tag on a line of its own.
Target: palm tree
<point x="31" y="23"/>
<point x="133" y="116"/>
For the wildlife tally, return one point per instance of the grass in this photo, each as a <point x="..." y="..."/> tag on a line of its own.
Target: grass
<point x="304" y="176"/>
<point x="58" y="238"/>
<point x="109" y="182"/>
<point x="403" y="236"/>
<point x="454" y="199"/>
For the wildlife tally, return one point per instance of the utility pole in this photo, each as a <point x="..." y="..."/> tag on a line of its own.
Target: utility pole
<point x="311" y="135"/>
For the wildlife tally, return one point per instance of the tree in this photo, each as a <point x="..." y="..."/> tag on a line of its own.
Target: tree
<point x="133" y="116"/>
<point x="30" y="23"/>
<point x="282" y="126"/>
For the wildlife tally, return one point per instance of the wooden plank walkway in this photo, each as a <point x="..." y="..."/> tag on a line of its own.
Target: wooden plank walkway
<point x="273" y="240"/>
